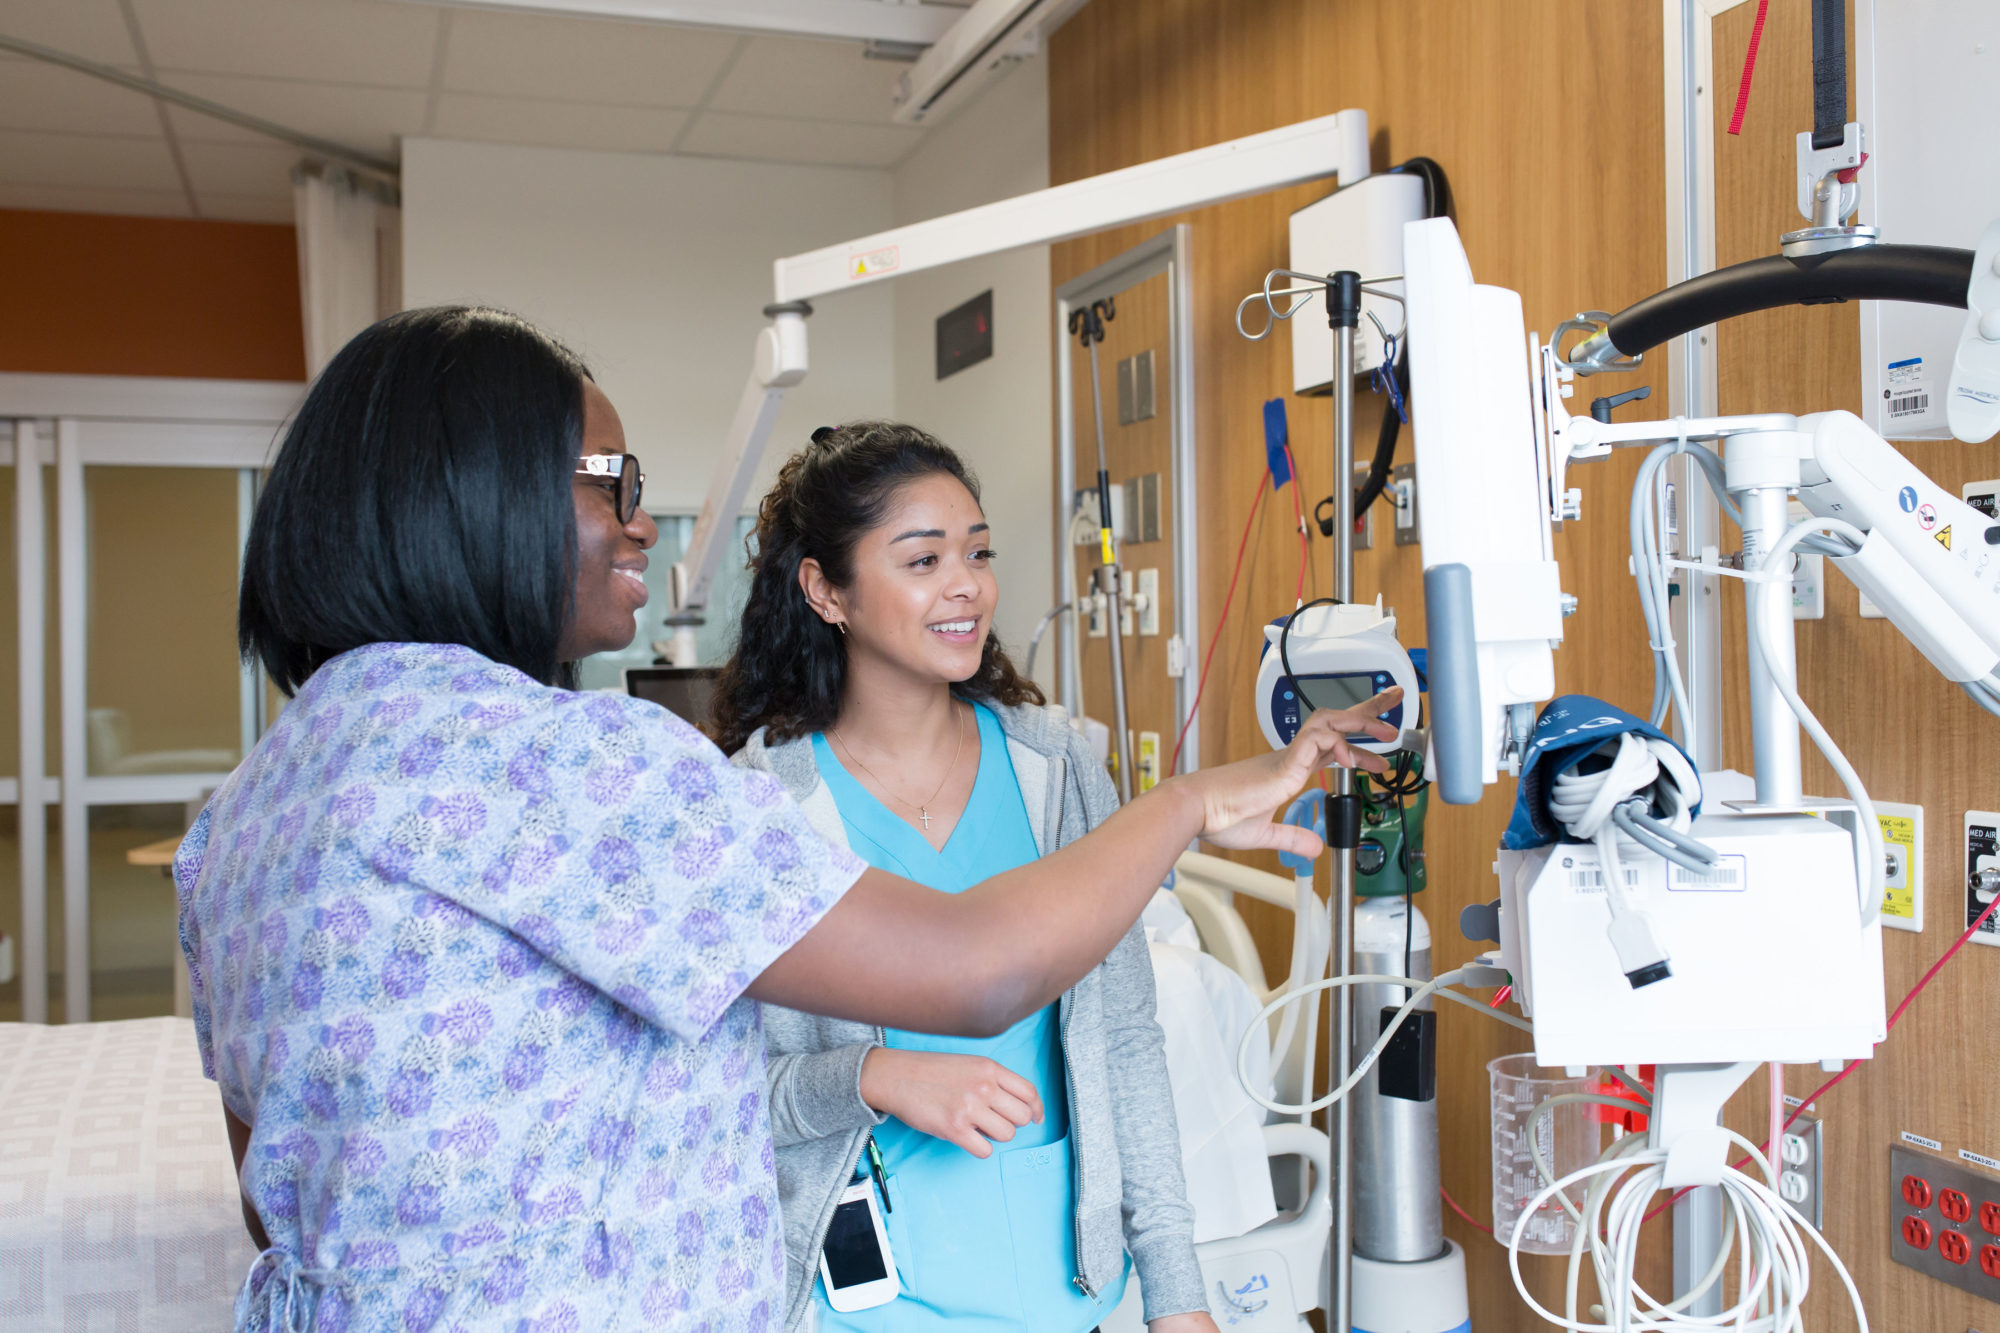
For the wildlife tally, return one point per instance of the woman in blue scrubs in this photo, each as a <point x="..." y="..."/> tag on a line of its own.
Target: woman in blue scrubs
<point x="1023" y="1176"/>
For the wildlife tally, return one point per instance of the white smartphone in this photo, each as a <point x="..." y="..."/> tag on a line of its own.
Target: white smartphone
<point x="855" y="1263"/>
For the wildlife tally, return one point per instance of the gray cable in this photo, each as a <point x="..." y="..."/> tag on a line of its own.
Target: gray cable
<point x="1041" y="628"/>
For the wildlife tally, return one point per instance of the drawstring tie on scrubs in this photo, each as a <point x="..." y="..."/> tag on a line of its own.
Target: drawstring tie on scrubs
<point x="283" y="1291"/>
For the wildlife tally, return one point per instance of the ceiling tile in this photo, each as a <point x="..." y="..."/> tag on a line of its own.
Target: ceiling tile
<point x="517" y="120"/>
<point x="790" y="76"/>
<point x="86" y="199"/>
<point x="245" y="208"/>
<point x="34" y="96"/>
<point x="257" y="170"/>
<point x="93" y="29"/>
<point x="582" y="60"/>
<point x="815" y="142"/>
<point x="368" y="119"/>
<point x="28" y="158"/>
<point x="335" y="41"/>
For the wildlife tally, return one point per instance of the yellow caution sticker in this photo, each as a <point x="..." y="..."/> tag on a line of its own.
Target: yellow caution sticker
<point x="1944" y="536"/>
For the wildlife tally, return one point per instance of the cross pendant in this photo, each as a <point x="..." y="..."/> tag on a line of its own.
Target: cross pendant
<point x="925" y="815"/>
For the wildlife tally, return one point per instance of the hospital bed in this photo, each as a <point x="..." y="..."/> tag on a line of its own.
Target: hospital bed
<point x="1262" y="1270"/>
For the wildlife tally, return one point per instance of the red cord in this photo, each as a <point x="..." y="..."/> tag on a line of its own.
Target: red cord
<point x="1749" y="65"/>
<point x="1452" y="1204"/>
<point x="1853" y="1065"/>
<point x="1201" y="682"/>
<point x="1298" y="511"/>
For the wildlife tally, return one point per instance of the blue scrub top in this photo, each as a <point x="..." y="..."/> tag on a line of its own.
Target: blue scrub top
<point x="980" y="1244"/>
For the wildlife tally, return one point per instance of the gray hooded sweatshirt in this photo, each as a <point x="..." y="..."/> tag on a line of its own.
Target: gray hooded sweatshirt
<point x="1130" y="1193"/>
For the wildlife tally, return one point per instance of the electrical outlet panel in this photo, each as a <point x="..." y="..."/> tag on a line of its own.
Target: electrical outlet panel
<point x="1364" y="526"/>
<point x="1982" y="852"/>
<point x="1149" y="593"/>
<point x="1403" y="486"/>
<point x="1801" y="1169"/>
<point x="1945" y="1221"/>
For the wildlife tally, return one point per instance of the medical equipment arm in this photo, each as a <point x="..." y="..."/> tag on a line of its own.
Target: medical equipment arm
<point x="1290" y="155"/>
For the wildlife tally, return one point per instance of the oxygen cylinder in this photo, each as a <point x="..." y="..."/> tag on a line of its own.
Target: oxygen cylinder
<point x="1398" y="1216"/>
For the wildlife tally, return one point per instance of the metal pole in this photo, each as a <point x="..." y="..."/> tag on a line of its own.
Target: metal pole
<point x="1108" y="579"/>
<point x="1343" y="304"/>
<point x="1774" y="729"/>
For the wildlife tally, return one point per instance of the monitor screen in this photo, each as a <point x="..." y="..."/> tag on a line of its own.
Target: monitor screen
<point x="1343" y="690"/>
<point x="682" y="691"/>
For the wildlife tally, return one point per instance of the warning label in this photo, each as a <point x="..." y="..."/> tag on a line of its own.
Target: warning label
<point x="1944" y="537"/>
<point x="886" y="260"/>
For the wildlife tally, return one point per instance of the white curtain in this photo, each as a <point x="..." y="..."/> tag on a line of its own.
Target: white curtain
<point x="350" y="256"/>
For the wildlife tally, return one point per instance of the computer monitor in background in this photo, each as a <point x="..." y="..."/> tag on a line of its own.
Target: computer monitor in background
<point x="682" y="691"/>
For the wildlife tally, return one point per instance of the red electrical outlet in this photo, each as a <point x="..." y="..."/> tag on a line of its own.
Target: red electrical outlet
<point x="1956" y="1199"/>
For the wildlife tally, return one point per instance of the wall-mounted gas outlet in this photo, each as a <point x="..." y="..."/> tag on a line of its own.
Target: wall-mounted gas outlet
<point x="1945" y="1221"/>
<point x="1903" y="876"/>
<point x="1982" y="855"/>
<point x="1983" y="496"/>
<point x="1147" y="761"/>
<point x="1149" y="599"/>
<point x="1100" y="620"/>
<point x="1801" y="1175"/>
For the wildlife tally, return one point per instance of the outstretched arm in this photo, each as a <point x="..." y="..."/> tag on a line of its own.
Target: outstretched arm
<point x="895" y="954"/>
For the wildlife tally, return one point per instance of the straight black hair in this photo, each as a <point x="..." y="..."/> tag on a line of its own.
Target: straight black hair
<point x="422" y="495"/>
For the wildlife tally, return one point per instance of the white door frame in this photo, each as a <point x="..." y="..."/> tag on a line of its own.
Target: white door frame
<point x="72" y="421"/>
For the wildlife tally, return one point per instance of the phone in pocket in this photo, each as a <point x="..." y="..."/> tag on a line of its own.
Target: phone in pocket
<point x="855" y="1263"/>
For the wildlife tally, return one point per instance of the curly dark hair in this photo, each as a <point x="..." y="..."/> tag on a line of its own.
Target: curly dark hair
<point x="790" y="667"/>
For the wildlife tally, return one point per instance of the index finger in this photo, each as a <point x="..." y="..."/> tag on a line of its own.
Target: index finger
<point x="1013" y="1083"/>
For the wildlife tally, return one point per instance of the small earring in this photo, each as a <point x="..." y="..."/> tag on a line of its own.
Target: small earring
<point x="841" y="625"/>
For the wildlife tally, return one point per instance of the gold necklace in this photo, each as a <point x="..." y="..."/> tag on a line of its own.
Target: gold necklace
<point x="923" y="810"/>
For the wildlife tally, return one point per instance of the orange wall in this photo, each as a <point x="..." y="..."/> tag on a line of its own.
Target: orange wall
<point x="89" y="294"/>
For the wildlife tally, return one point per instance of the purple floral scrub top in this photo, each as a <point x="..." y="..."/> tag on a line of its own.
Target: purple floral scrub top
<point x="468" y="954"/>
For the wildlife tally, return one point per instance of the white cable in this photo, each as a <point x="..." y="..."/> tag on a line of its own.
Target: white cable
<point x="1774" y="1263"/>
<point x="1423" y="991"/>
<point x="1869" y="852"/>
<point x="1584" y="803"/>
<point x="1308" y="959"/>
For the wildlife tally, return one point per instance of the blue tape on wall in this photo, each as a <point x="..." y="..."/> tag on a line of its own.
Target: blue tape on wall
<point x="1276" y="436"/>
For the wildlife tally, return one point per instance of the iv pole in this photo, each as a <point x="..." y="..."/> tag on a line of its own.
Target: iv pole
<point x="1343" y="807"/>
<point x="1087" y="323"/>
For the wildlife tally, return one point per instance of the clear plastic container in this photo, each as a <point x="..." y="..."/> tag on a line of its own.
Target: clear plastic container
<point x="1569" y="1137"/>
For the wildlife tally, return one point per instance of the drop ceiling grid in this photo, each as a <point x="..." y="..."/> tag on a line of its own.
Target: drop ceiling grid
<point x="367" y="73"/>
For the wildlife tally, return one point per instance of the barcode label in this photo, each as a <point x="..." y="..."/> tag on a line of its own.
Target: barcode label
<point x="1728" y="875"/>
<point x="1590" y="879"/>
<point x="1909" y="405"/>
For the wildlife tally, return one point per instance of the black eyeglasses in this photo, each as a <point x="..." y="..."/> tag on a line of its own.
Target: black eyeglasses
<point x="628" y="483"/>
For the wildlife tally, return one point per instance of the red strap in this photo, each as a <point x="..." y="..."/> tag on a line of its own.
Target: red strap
<point x="1749" y="67"/>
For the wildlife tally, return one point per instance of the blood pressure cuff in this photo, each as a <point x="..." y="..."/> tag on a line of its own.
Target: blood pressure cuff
<point x="1568" y="730"/>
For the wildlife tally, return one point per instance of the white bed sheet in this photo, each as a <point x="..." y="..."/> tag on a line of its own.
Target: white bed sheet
<point x="118" y="1200"/>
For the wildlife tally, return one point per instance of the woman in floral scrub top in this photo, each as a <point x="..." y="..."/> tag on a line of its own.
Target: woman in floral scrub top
<point x="474" y="956"/>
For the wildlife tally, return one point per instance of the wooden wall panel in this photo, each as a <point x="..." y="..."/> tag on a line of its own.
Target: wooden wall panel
<point x="1548" y="119"/>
